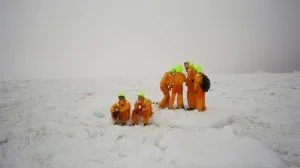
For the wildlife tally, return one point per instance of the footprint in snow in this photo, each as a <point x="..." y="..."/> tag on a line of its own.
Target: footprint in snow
<point x="70" y="134"/>
<point x="99" y="115"/>
<point x="272" y="93"/>
<point x="3" y="141"/>
<point x="293" y="88"/>
<point x="89" y="93"/>
<point x="120" y="137"/>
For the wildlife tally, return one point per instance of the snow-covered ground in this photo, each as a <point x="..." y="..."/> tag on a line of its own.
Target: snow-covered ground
<point x="252" y="121"/>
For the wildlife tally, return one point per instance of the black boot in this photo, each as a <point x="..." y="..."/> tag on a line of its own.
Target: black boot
<point x="190" y="109"/>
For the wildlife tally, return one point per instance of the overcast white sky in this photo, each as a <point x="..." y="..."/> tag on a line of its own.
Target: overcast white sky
<point x="93" y="38"/>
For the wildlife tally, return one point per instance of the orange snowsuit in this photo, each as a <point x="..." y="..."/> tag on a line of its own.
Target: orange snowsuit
<point x="177" y="81"/>
<point x="164" y="87"/>
<point x="191" y="73"/>
<point x="199" y="94"/>
<point x="120" y="112"/>
<point x="142" y="109"/>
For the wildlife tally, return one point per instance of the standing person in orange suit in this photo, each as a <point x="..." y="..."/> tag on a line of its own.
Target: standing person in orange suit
<point x="178" y="78"/>
<point x="191" y="73"/>
<point x="199" y="93"/>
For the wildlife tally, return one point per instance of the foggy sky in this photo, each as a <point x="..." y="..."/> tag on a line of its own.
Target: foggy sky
<point x="94" y="38"/>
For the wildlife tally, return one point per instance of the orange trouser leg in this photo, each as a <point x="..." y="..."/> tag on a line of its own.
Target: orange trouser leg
<point x="179" y="90"/>
<point x="191" y="97"/>
<point x="199" y="96"/>
<point x="125" y="116"/>
<point x="135" y="116"/>
<point x="115" y="117"/>
<point x="171" y="100"/>
<point x="176" y="90"/>
<point x="179" y="100"/>
<point x="146" y="116"/>
<point x="199" y="105"/>
<point x="204" y="104"/>
<point x="163" y="103"/>
<point x="151" y="113"/>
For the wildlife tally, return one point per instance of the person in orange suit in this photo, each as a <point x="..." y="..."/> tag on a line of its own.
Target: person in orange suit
<point x="142" y="109"/>
<point x="191" y="73"/>
<point x="165" y="87"/>
<point x="178" y="78"/>
<point x="120" y="111"/>
<point x="199" y="93"/>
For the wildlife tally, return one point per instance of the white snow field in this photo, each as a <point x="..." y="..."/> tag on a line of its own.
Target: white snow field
<point x="252" y="121"/>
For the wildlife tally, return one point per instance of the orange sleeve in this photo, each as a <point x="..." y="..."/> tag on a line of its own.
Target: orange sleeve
<point x="171" y="80"/>
<point x="114" y="107"/>
<point x="148" y="105"/>
<point x="184" y="77"/>
<point x="125" y="108"/>
<point x="136" y="105"/>
<point x="196" y="82"/>
<point x="189" y="77"/>
<point x="194" y="73"/>
<point x="164" y="79"/>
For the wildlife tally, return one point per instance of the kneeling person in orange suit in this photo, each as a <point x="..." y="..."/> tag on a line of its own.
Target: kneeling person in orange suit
<point x="165" y="87"/>
<point x="199" y="93"/>
<point x="120" y="111"/>
<point x="142" y="109"/>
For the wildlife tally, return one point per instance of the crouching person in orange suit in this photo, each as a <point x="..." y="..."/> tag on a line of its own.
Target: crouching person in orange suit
<point x="165" y="87"/>
<point x="142" y="109"/>
<point x="120" y="111"/>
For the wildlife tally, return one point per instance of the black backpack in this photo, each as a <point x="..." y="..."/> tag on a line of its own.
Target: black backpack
<point x="205" y="83"/>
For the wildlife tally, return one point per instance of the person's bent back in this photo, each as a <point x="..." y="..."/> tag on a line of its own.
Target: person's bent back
<point x="165" y="87"/>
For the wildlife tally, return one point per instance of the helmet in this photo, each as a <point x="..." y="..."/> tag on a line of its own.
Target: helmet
<point x="198" y="68"/>
<point x="121" y="94"/>
<point x="173" y="69"/>
<point x="179" y="68"/>
<point x="142" y="94"/>
<point x="191" y="64"/>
